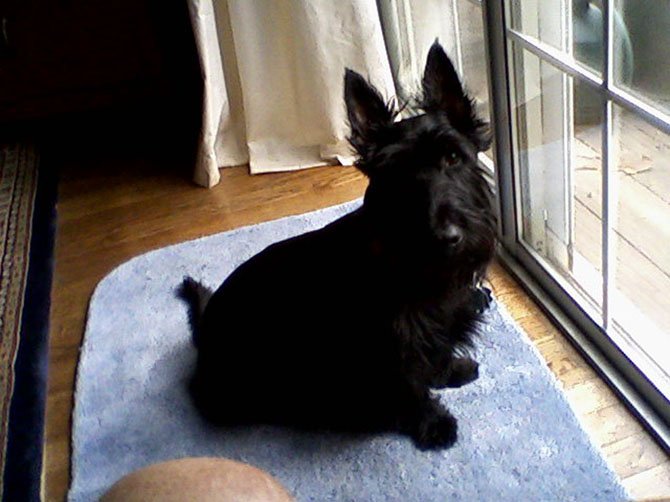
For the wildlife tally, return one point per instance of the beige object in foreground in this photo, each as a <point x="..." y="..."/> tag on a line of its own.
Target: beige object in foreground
<point x="201" y="479"/>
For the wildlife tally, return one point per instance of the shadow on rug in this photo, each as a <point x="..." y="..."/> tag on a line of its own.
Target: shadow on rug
<point x="27" y="229"/>
<point x="517" y="438"/>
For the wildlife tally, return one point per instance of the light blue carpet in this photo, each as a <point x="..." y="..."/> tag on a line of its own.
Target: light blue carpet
<point x="518" y="438"/>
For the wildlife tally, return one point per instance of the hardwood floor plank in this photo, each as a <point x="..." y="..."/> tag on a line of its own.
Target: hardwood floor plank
<point x="590" y="396"/>
<point x="610" y="424"/>
<point x="650" y="484"/>
<point x="634" y="454"/>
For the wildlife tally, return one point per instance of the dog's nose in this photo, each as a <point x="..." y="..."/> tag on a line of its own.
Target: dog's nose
<point x="452" y="235"/>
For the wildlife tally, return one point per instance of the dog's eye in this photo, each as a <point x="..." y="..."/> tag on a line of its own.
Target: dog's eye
<point x="452" y="158"/>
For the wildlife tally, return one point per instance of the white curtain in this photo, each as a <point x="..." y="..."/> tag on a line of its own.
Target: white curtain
<point x="273" y="72"/>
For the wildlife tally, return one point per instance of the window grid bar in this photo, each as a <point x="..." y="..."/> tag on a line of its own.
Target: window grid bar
<point x="568" y="162"/>
<point x="651" y="114"/>
<point x="513" y="53"/>
<point x="608" y="205"/>
<point x="568" y="29"/>
<point x="608" y="46"/>
<point x="608" y="202"/>
<point x="554" y="56"/>
<point x="457" y="31"/>
<point x="565" y="63"/>
<point x="568" y="132"/>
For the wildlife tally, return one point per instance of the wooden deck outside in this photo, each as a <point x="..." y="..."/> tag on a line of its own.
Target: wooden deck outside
<point x="641" y="224"/>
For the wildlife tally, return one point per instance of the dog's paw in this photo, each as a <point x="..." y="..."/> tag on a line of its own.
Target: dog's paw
<point x="463" y="371"/>
<point x="460" y="371"/>
<point x="436" y="431"/>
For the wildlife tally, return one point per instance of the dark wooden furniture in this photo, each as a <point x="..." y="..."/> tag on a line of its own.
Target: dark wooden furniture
<point x="66" y="56"/>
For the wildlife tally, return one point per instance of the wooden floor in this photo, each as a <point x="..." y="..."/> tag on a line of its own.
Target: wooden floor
<point x="113" y="209"/>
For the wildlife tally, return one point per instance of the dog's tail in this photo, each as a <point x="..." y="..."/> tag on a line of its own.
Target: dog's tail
<point x="196" y="295"/>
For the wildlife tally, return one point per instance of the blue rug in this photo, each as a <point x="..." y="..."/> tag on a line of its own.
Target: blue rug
<point x="518" y="437"/>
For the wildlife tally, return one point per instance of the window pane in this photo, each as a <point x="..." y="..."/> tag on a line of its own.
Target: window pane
<point x="473" y="57"/>
<point x="541" y="19"/>
<point x="577" y="31"/>
<point x="558" y="163"/>
<point x="640" y="304"/>
<point x="642" y="65"/>
<point x="473" y="51"/>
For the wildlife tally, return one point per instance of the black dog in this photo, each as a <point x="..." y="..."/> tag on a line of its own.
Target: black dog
<point x="352" y="325"/>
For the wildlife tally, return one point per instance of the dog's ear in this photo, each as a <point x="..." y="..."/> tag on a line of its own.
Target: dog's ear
<point x="442" y="91"/>
<point x="366" y="110"/>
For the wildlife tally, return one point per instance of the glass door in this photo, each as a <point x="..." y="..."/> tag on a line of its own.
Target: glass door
<point x="581" y="93"/>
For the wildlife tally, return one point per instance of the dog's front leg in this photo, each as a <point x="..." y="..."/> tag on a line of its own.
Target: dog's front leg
<point x="426" y="421"/>
<point x="455" y="372"/>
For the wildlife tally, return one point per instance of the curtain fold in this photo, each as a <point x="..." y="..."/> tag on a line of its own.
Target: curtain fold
<point x="273" y="71"/>
<point x="221" y="141"/>
<point x="410" y="28"/>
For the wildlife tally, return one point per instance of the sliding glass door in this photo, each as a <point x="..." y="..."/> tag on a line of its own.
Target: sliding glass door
<point x="581" y="98"/>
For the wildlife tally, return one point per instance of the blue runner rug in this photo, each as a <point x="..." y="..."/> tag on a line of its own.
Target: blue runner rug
<point x="518" y="437"/>
<point x="27" y="230"/>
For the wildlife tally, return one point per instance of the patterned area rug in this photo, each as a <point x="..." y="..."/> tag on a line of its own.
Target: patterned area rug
<point x="27" y="228"/>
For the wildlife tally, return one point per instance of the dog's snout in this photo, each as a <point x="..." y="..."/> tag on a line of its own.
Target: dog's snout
<point x="452" y="235"/>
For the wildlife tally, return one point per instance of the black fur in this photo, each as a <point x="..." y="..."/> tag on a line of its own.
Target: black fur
<point x="197" y="296"/>
<point x="351" y="326"/>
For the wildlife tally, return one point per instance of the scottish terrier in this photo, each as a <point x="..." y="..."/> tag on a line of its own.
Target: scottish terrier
<point x="352" y="326"/>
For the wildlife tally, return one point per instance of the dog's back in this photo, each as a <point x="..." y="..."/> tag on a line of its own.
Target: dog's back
<point x="295" y="327"/>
